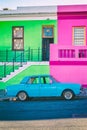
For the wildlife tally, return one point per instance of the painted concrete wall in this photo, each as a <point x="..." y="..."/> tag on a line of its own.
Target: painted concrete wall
<point x="69" y="73"/>
<point x="32" y="32"/>
<point x="32" y="37"/>
<point x="69" y="16"/>
<point x="69" y="69"/>
<point x="65" y="30"/>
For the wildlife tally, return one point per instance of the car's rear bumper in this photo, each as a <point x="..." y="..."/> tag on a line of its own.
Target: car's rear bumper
<point x="83" y="92"/>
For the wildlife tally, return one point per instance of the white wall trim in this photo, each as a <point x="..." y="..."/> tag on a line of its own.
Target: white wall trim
<point x="29" y="17"/>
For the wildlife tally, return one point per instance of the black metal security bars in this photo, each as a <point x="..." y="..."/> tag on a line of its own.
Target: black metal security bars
<point x="12" y="60"/>
<point x="28" y="55"/>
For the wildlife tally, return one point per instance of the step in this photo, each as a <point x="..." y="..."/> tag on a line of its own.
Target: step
<point x="25" y="66"/>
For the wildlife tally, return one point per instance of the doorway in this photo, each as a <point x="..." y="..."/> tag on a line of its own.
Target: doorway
<point x="46" y="48"/>
<point x="47" y="39"/>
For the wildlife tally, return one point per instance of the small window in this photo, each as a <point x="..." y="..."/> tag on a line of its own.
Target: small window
<point x="47" y="32"/>
<point x="79" y="36"/>
<point x="18" y="38"/>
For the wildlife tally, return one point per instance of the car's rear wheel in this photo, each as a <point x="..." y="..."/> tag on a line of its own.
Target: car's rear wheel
<point x="68" y="94"/>
<point x="22" y="96"/>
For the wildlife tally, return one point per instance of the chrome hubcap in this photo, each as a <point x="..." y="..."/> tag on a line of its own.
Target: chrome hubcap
<point x="68" y="95"/>
<point x="22" y="96"/>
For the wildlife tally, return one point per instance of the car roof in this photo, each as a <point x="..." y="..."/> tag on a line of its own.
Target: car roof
<point x="37" y="75"/>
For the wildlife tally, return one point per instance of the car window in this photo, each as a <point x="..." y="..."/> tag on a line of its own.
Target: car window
<point x="46" y="80"/>
<point x="33" y="80"/>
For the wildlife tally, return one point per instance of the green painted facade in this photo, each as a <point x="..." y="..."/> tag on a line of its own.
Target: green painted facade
<point x="32" y="33"/>
<point x="32" y="39"/>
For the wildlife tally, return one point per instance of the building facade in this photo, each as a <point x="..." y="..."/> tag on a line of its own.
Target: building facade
<point x="69" y="62"/>
<point x="27" y="28"/>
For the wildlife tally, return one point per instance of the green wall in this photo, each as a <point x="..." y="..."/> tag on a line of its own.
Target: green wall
<point x="32" y="32"/>
<point x="32" y="39"/>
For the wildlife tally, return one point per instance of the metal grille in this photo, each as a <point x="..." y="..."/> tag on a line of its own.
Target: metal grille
<point x="79" y="35"/>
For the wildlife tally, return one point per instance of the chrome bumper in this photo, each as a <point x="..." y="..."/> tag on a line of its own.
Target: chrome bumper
<point x="83" y="92"/>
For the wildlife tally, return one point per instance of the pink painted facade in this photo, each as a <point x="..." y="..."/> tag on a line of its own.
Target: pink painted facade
<point x="68" y="62"/>
<point x="69" y="16"/>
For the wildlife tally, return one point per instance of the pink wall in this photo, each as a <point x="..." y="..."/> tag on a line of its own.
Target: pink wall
<point x="56" y="56"/>
<point x="69" y="73"/>
<point x="65" y="30"/>
<point x="67" y="20"/>
<point x="69" y="69"/>
<point x="72" y="8"/>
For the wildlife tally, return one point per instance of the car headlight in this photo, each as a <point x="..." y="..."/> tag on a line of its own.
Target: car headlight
<point x="5" y="91"/>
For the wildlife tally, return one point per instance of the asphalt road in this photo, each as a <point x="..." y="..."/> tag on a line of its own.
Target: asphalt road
<point x="40" y="109"/>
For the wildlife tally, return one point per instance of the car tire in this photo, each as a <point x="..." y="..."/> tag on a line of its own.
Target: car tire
<point x="68" y="94"/>
<point x="22" y="96"/>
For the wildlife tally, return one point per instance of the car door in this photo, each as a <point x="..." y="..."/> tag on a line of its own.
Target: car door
<point x="33" y="87"/>
<point x="48" y="87"/>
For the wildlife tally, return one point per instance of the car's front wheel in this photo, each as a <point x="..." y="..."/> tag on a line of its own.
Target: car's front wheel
<point x="22" y="96"/>
<point x="68" y="94"/>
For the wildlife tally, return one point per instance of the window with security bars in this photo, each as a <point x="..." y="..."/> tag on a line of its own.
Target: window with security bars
<point x="18" y="38"/>
<point x="79" y="36"/>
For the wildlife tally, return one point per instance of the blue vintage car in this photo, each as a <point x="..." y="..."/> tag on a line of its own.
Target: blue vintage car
<point x="42" y="86"/>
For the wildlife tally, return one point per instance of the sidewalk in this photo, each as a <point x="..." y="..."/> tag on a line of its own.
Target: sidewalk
<point x="56" y="124"/>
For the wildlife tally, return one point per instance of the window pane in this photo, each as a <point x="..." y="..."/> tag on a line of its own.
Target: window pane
<point x="79" y="35"/>
<point x="18" y="32"/>
<point x="48" y="31"/>
<point x="34" y="80"/>
<point x="46" y="80"/>
<point x="18" y="44"/>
